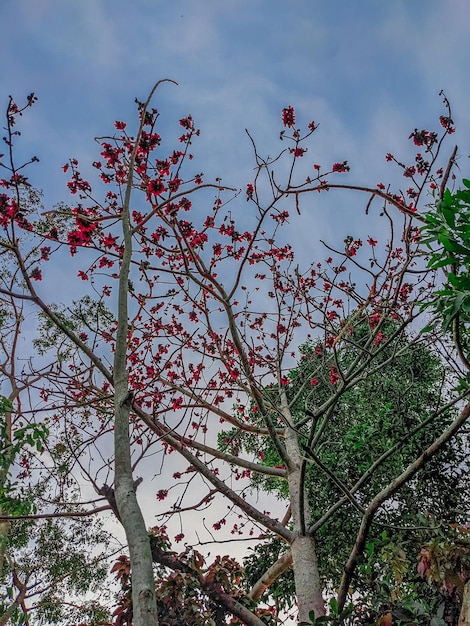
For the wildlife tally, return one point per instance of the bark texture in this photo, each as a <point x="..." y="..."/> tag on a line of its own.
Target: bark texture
<point x="143" y="584"/>
<point x="308" y="587"/>
<point x="464" y="618"/>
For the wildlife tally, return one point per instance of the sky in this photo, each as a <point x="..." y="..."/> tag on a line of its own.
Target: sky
<point x="368" y="71"/>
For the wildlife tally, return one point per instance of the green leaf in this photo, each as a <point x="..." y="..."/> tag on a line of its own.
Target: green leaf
<point x="449" y="216"/>
<point x="428" y="329"/>
<point x="441" y="263"/>
<point x="334" y="606"/>
<point x="451" y="245"/>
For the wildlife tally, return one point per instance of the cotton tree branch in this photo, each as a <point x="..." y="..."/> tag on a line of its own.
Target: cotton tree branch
<point x="203" y="404"/>
<point x="202" y="468"/>
<point x="387" y="493"/>
<point x="369" y="190"/>
<point x="143" y="588"/>
<point x="450" y="164"/>
<point x="234" y="460"/>
<point x="17" y="602"/>
<point x="76" y="514"/>
<point x="32" y="296"/>
<point x="283" y="563"/>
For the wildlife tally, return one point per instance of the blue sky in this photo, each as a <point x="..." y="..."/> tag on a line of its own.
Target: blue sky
<point x="368" y="71"/>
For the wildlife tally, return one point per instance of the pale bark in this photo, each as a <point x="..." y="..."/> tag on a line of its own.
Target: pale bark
<point x="143" y="584"/>
<point x="464" y="618"/>
<point x="283" y="563"/>
<point x="304" y="557"/>
<point x="4" y="533"/>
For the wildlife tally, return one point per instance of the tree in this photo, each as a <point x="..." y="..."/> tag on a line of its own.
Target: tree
<point x="211" y="308"/>
<point x="35" y="472"/>
<point x="380" y="416"/>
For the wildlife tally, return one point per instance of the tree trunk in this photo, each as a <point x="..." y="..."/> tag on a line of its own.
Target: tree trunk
<point x="143" y="584"/>
<point x="305" y="563"/>
<point x="464" y="618"/>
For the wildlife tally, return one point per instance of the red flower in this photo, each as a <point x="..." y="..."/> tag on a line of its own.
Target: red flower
<point x="334" y="376"/>
<point x="120" y="125"/>
<point x="155" y="188"/>
<point x="445" y="121"/>
<point x="379" y="338"/>
<point x="288" y="117"/>
<point x="174" y="184"/>
<point x="162" y="494"/>
<point x="423" y="137"/>
<point x="341" y="167"/>
<point x="187" y="122"/>
<point x="177" y="403"/>
<point x="298" y="152"/>
<point x="36" y="274"/>
<point x="45" y="251"/>
<point x="109" y="241"/>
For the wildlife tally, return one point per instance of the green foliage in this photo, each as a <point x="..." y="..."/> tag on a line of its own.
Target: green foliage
<point x="447" y="234"/>
<point x="386" y="413"/>
<point x="83" y="317"/>
<point x="15" y="499"/>
<point x="335" y="616"/>
<point x="258" y="561"/>
<point x="63" y="562"/>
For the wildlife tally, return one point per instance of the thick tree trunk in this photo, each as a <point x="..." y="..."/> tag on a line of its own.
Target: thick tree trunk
<point x="143" y="584"/>
<point x="308" y="587"/>
<point x="464" y="619"/>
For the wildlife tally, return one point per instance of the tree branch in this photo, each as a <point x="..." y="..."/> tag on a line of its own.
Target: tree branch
<point x="387" y="493"/>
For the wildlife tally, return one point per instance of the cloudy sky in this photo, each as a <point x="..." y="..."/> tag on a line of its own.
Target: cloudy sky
<point x="368" y="71"/>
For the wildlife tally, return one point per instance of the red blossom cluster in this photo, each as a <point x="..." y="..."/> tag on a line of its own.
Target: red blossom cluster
<point x="288" y="117"/>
